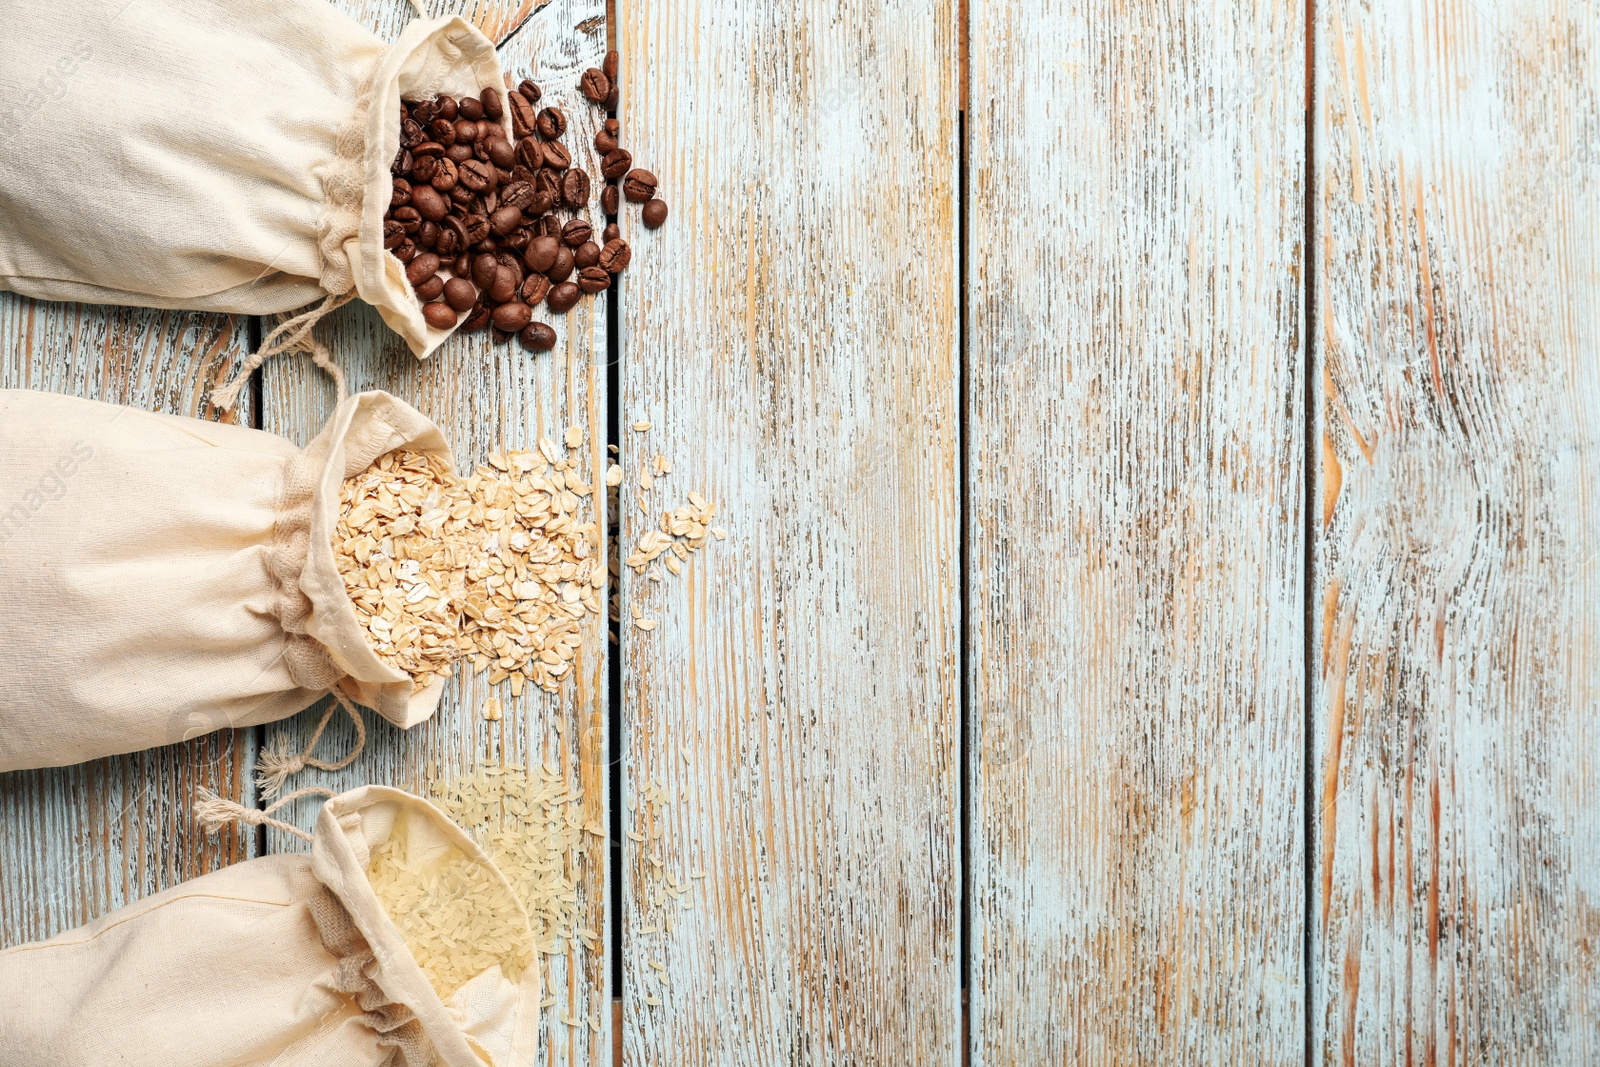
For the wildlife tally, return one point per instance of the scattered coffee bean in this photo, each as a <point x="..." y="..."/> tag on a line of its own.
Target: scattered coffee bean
<point x="639" y="186"/>
<point x="615" y="256"/>
<point x="477" y="318"/>
<point x="556" y="156"/>
<point x="551" y="123"/>
<point x="512" y="318"/>
<point x="609" y="65"/>
<point x="539" y="336"/>
<point x="541" y="255"/>
<point x="616" y="163"/>
<point x="611" y="233"/>
<point x="422" y="268"/>
<point x="586" y="255"/>
<point x="446" y="107"/>
<point x="523" y="114"/>
<point x="460" y="294"/>
<point x="575" y="233"/>
<point x="428" y="203"/>
<point x="430" y="289"/>
<point x="505" y="220"/>
<point x="655" y="213"/>
<point x="439" y="316"/>
<point x="565" y="262"/>
<point x="505" y="285"/>
<point x="469" y="108"/>
<point x="529" y="91"/>
<point x="575" y="189"/>
<point x="594" y="279"/>
<point x="610" y="201"/>
<point x="535" y="287"/>
<point x="492" y="108"/>
<point x="595" y="85"/>
<point x="563" y="298"/>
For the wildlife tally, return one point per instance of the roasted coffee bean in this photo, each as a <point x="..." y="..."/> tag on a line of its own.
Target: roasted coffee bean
<point x="477" y="318"/>
<point x="551" y="123"/>
<point x="595" y="85"/>
<point x="424" y="169"/>
<point x="616" y="164"/>
<point x="485" y="265"/>
<point x="501" y="153"/>
<point x="523" y="115"/>
<point x="458" y="153"/>
<point x="459" y="294"/>
<point x="615" y="256"/>
<point x="439" y="316"/>
<point x="605" y="143"/>
<point x="476" y="175"/>
<point x="594" y="280"/>
<point x="401" y="165"/>
<point x="492" y="108"/>
<point x="409" y="219"/>
<point x="411" y="134"/>
<point x="464" y="199"/>
<point x="610" y="64"/>
<point x="517" y="194"/>
<point x="530" y="153"/>
<point x="611" y="101"/>
<point x="611" y="233"/>
<point x="430" y="289"/>
<point x="562" y="298"/>
<point x="655" y="213"/>
<point x="586" y="255"/>
<point x="576" y="232"/>
<point x="556" y="156"/>
<point x="449" y="243"/>
<point x="529" y="90"/>
<point x="512" y="318"/>
<point x="469" y="107"/>
<point x="442" y="132"/>
<point x="393" y="234"/>
<point x="564" y="265"/>
<point x="541" y="254"/>
<point x="447" y="107"/>
<point x="548" y="226"/>
<point x="504" y="287"/>
<point x="505" y="220"/>
<point x="466" y="132"/>
<point x="405" y="251"/>
<point x="428" y="235"/>
<point x="424" y="112"/>
<point x="610" y="200"/>
<point x="402" y="193"/>
<point x="575" y="189"/>
<point x="538" y="336"/>
<point x="535" y="287"/>
<point x="499" y="335"/>
<point x="427" y="150"/>
<point x="639" y="186"/>
<point x="518" y="238"/>
<point x="477" y="228"/>
<point x="427" y="201"/>
<point x="445" y="176"/>
<point x="422" y="268"/>
<point x="546" y="193"/>
<point x="462" y="266"/>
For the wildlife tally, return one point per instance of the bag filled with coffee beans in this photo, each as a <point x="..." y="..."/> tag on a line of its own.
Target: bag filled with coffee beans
<point x="295" y="958"/>
<point x="222" y="156"/>
<point x="162" y="577"/>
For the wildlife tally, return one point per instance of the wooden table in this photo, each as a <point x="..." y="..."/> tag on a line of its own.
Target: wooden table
<point x="1159" y="618"/>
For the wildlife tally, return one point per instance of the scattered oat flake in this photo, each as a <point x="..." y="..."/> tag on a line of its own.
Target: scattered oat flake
<point x="645" y="624"/>
<point x="719" y="533"/>
<point x="574" y="436"/>
<point x="641" y="426"/>
<point x="492" y="710"/>
<point x="614" y="475"/>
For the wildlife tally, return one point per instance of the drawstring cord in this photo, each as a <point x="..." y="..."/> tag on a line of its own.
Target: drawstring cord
<point x="213" y="812"/>
<point x="293" y="335"/>
<point x="280" y="762"/>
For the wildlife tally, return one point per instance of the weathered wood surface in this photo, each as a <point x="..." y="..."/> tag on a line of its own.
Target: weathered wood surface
<point x="791" y="337"/>
<point x="76" y="842"/>
<point x="489" y="398"/>
<point x="1456" y="904"/>
<point x="1135" y="465"/>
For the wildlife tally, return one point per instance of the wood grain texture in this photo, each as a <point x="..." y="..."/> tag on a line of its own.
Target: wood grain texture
<point x="1134" y="455"/>
<point x="1457" y="888"/>
<point x="791" y="338"/>
<point x="77" y="842"/>
<point x="488" y="398"/>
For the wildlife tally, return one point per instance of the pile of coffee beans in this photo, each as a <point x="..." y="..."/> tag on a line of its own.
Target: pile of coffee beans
<point x="491" y="228"/>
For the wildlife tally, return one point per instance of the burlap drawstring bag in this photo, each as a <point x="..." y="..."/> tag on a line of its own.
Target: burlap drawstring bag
<point x="286" y="961"/>
<point x="220" y="155"/>
<point x="162" y="577"/>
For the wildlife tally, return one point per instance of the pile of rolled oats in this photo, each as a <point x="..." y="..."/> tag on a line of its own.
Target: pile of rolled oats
<point x="500" y="567"/>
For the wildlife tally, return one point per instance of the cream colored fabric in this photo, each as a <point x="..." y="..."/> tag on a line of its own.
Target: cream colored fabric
<point x="287" y="961"/>
<point x="162" y="577"/>
<point x="226" y="155"/>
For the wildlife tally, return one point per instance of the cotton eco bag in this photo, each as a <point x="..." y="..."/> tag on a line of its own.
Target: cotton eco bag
<point x="162" y="577"/>
<point x="221" y="155"/>
<point x="288" y="961"/>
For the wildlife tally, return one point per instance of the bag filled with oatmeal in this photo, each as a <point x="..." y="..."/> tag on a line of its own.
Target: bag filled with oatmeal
<point x="395" y="942"/>
<point x="220" y="156"/>
<point x="163" y="577"/>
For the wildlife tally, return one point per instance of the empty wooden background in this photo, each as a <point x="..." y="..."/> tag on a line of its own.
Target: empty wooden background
<point x="1158" y="616"/>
